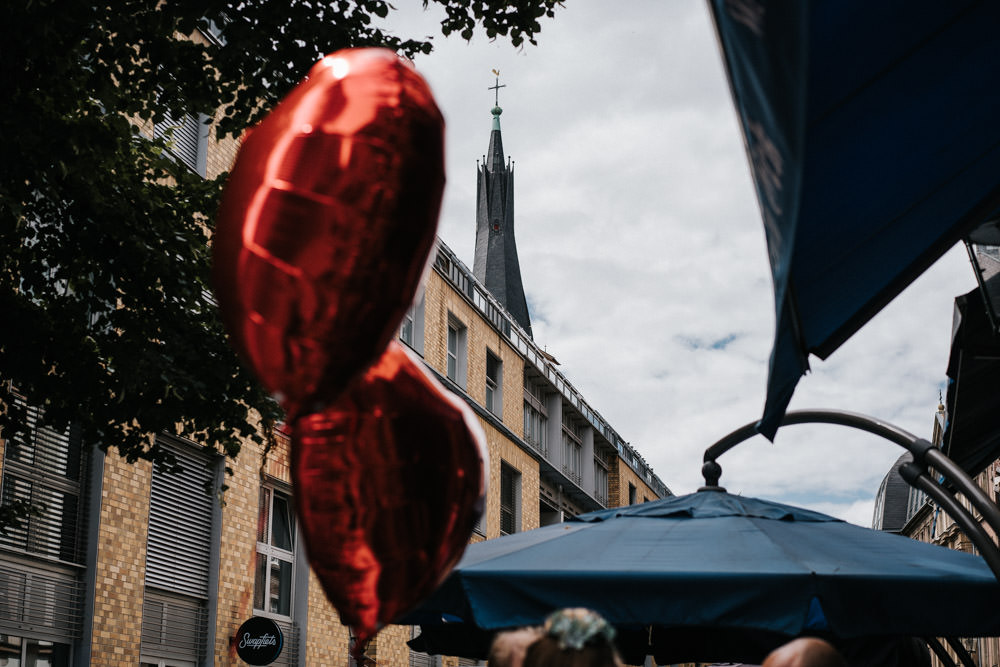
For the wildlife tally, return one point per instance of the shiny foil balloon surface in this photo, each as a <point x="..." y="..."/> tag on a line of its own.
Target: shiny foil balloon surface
<point x="389" y="484"/>
<point x="327" y="222"/>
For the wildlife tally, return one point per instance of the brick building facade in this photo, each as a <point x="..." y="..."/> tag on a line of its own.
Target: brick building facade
<point x="128" y="565"/>
<point x="924" y="521"/>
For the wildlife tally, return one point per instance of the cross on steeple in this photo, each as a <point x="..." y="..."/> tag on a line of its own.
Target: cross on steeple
<point x="496" y="88"/>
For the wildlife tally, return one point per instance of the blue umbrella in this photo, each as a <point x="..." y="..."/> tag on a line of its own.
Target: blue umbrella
<point x="710" y="562"/>
<point x="872" y="134"/>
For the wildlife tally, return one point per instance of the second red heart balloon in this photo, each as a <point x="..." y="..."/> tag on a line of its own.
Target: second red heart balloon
<point x="389" y="483"/>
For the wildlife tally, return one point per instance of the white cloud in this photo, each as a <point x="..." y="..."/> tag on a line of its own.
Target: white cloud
<point x="643" y="254"/>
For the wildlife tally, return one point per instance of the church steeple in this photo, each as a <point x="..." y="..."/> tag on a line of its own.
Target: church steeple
<point x="496" y="264"/>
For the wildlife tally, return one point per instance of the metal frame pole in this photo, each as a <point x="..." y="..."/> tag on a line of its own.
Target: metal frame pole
<point x="917" y="477"/>
<point x="940" y="651"/>
<point x="924" y="454"/>
<point x="961" y="652"/>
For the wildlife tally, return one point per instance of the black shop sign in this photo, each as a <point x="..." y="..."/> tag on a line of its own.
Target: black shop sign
<point x="258" y="641"/>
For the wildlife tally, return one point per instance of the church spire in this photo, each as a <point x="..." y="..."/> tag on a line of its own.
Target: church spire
<point x="496" y="264"/>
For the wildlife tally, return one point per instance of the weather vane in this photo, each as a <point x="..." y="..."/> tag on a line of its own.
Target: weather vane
<point x="496" y="88"/>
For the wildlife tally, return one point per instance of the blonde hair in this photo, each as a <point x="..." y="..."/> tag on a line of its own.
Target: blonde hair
<point x="574" y="638"/>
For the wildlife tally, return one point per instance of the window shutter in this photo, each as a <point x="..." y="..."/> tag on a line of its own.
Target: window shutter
<point x="180" y="526"/>
<point x="46" y="604"/>
<point x="44" y="467"/>
<point x="184" y="139"/>
<point x="172" y="627"/>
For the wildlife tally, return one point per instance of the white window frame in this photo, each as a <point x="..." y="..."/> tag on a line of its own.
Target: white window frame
<point x="273" y="554"/>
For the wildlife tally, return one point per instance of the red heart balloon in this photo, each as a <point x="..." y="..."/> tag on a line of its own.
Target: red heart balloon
<point x="389" y="483"/>
<point x="327" y="221"/>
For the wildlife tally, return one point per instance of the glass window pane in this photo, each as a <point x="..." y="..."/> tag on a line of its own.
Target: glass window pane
<point x="10" y="651"/>
<point x="282" y="524"/>
<point x="263" y="511"/>
<point x="406" y="328"/>
<point x="46" y="654"/>
<point x="259" y="582"/>
<point x="281" y="587"/>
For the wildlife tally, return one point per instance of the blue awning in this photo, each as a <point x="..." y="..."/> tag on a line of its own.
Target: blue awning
<point x="874" y="142"/>
<point x="972" y="435"/>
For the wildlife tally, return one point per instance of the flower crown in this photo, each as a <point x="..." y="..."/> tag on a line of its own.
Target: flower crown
<point x="576" y="627"/>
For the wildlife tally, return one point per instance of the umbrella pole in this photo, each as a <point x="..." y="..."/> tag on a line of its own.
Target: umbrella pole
<point x="924" y="454"/>
<point x="917" y="477"/>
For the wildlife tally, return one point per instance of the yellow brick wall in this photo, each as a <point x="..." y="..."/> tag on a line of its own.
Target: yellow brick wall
<point x="619" y="477"/>
<point x="390" y="649"/>
<point x="327" y="640"/>
<point x="436" y="322"/>
<point x="237" y="551"/>
<point x="221" y="153"/>
<point x="502" y="449"/>
<point x="121" y="562"/>
<point x="442" y="299"/>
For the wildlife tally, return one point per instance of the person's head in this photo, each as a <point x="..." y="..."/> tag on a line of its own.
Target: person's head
<point x="805" y="652"/>
<point x="574" y="638"/>
<point x="508" y="648"/>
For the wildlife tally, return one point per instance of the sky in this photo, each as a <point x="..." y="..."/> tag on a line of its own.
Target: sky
<point x="643" y="258"/>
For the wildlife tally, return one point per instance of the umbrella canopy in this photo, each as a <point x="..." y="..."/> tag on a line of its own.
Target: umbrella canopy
<point x="717" y="564"/>
<point x="873" y="143"/>
<point x="972" y="434"/>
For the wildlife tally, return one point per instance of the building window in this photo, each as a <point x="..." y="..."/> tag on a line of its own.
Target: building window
<point x="631" y="493"/>
<point x="183" y="519"/>
<point x="411" y="329"/>
<point x="45" y="468"/>
<point x="535" y="423"/>
<point x="535" y="417"/>
<point x="601" y="481"/>
<point x="572" y="438"/>
<point x="275" y="553"/>
<point x="510" y="499"/>
<point x="494" y="384"/>
<point x="41" y="588"/>
<point x="16" y="651"/>
<point x="453" y="353"/>
<point x="186" y="138"/>
<point x="406" y="328"/>
<point x="457" y="351"/>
